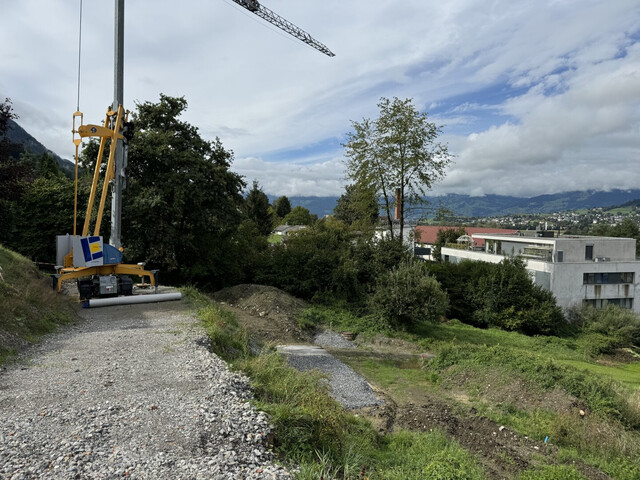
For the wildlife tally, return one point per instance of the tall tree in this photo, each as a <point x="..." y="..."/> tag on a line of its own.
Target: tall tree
<point x="397" y="155"/>
<point x="257" y="205"/>
<point x="282" y="206"/>
<point x="182" y="205"/>
<point x="357" y="205"/>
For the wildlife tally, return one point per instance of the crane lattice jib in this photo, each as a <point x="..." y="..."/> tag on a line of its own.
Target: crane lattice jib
<point x="278" y="21"/>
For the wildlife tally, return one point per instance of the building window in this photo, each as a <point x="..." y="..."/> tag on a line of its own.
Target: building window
<point x="588" y="252"/>
<point x="602" y="303"/>
<point x="607" y="278"/>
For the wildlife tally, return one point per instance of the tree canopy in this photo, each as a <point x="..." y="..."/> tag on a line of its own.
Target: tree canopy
<point x="397" y="156"/>
<point x="357" y="205"/>
<point x="182" y="205"/>
<point x="300" y="216"/>
<point x="282" y="206"/>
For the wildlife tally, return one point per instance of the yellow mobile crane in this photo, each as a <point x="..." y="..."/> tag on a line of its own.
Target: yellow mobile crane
<point x="95" y="265"/>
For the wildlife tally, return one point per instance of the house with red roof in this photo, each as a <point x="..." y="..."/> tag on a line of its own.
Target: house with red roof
<point x="425" y="237"/>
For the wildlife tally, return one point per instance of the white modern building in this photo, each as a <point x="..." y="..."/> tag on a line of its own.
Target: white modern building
<point x="577" y="269"/>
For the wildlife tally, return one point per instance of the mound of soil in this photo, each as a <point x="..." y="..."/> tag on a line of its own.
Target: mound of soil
<point x="268" y="313"/>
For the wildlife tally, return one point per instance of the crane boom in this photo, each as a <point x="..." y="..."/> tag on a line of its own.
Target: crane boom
<point x="272" y="17"/>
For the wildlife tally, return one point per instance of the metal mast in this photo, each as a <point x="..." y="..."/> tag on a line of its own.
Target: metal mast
<point x="278" y="21"/>
<point x="118" y="99"/>
<point x="118" y="94"/>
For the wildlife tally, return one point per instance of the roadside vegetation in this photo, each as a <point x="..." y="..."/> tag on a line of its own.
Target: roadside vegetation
<point x="313" y="431"/>
<point x="29" y="308"/>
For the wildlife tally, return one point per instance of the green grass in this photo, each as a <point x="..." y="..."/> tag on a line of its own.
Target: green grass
<point x="552" y="472"/>
<point x="393" y="373"/>
<point x="628" y="374"/>
<point x="534" y="381"/>
<point x="314" y="432"/>
<point x="457" y="332"/>
<point x="29" y="308"/>
<point x="410" y="455"/>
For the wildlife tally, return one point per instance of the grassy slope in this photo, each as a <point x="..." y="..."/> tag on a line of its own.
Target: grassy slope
<point x="533" y="385"/>
<point x="29" y="307"/>
<point x="315" y="432"/>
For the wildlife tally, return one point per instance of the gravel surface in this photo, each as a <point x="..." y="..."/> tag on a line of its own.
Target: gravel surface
<point x="347" y="387"/>
<point x="332" y="340"/>
<point x="131" y="391"/>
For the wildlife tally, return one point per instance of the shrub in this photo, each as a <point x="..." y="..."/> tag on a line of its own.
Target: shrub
<point x="408" y="295"/>
<point x="613" y="327"/>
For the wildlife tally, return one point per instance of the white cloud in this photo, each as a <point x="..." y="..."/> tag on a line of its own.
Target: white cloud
<point x="317" y="179"/>
<point x="263" y="93"/>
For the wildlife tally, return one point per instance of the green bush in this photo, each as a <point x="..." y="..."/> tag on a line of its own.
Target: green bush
<point x="501" y="295"/>
<point x="408" y="295"/>
<point x="610" y="328"/>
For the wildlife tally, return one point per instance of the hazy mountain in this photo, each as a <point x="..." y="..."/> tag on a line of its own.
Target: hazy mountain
<point x="497" y="205"/>
<point x="27" y="143"/>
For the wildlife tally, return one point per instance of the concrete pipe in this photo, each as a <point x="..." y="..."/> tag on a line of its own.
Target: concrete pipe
<point x="151" y="298"/>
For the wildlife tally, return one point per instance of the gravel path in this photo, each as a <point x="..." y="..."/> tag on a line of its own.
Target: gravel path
<point x="130" y="392"/>
<point x="347" y="386"/>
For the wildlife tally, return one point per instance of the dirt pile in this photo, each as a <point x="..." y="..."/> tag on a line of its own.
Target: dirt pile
<point x="268" y="313"/>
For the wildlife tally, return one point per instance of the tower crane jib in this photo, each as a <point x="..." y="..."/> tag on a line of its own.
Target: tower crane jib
<point x="275" y="19"/>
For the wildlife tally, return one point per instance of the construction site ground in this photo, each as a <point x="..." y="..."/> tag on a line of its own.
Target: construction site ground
<point x="269" y="315"/>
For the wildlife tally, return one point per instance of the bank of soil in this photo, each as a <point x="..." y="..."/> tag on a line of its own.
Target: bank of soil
<point x="267" y="313"/>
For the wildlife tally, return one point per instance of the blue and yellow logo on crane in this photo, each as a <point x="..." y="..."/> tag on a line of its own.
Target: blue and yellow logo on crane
<point x="91" y="248"/>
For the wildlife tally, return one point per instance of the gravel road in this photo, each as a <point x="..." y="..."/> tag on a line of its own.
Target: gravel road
<point x="130" y="391"/>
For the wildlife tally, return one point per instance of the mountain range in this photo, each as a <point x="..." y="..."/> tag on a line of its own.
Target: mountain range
<point x="497" y="205"/>
<point x="460" y="205"/>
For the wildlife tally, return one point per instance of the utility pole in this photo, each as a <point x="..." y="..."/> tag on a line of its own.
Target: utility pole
<point x="118" y="99"/>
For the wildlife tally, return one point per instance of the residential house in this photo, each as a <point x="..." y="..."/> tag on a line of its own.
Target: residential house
<point x="426" y="236"/>
<point x="286" y="230"/>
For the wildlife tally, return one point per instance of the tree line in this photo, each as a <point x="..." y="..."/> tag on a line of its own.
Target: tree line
<point x="188" y="214"/>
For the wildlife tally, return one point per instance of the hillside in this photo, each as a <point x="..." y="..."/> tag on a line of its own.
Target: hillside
<point x="460" y="205"/>
<point x="26" y="143"/>
<point x="29" y="307"/>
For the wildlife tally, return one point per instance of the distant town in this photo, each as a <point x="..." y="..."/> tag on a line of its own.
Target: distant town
<point x="580" y="221"/>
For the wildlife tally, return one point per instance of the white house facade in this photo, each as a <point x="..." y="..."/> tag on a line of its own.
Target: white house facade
<point x="577" y="269"/>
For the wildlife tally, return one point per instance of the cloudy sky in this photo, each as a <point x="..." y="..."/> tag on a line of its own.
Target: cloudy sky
<point x="535" y="96"/>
